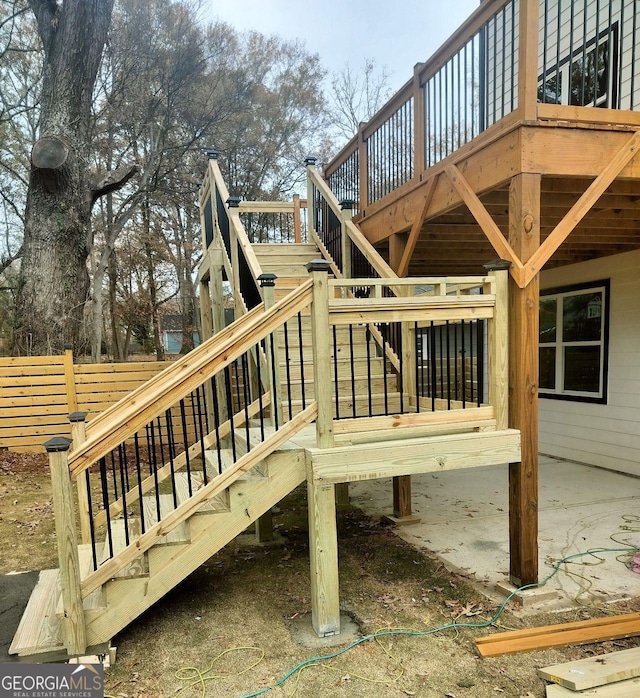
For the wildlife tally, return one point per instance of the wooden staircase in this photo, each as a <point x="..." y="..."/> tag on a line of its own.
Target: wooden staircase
<point x="361" y="368"/>
<point x="150" y="576"/>
<point x="176" y="470"/>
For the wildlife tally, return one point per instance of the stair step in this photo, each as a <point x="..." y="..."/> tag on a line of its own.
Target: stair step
<point x="227" y="460"/>
<point x="359" y="366"/>
<point x="40" y="630"/>
<point x="96" y="599"/>
<point x="219" y="504"/>
<point x="180" y="534"/>
<point x="137" y="567"/>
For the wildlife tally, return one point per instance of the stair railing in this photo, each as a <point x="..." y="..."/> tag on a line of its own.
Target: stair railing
<point x="178" y="442"/>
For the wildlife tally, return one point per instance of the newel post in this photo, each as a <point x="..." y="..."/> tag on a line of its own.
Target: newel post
<point x="499" y="343"/>
<point x="346" y="206"/>
<point x="74" y="630"/>
<point x="323" y="533"/>
<point x="78" y="437"/>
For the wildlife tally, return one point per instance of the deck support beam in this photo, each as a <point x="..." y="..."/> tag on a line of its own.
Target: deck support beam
<point x="524" y="238"/>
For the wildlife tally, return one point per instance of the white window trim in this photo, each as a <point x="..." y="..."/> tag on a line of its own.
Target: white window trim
<point x="560" y="345"/>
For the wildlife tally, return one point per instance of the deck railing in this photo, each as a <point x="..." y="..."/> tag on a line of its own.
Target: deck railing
<point x="582" y="55"/>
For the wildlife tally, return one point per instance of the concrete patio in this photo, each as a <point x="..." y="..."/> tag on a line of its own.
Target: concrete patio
<point x="464" y="521"/>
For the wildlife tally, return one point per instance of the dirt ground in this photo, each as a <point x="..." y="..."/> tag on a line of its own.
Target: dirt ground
<point x="236" y="620"/>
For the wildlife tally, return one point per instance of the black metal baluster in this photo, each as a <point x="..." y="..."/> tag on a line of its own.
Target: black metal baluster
<point x="136" y="447"/>
<point x="259" y="380"/>
<point x="92" y="525"/>
<point x="105" y="503"/>
<point x="336" y="372"/>
<point x="301" y="352"/>
<point x="385" y="330"/>
<point x="448" y="367"/>
<point x="227" y="388"/>
<point x="416" y="358"/>
<point x="369" y="387"/>
<point x="185" y="439"/>
<point x="398" y="330"/>
<point x="287" y="361"/>
<point x="353" y="372"/>
<point x="125" y="514"/>
<point x="216" y="420"/>
<point x="464" y="369"/>
<point x="172" y="468"/>
<point x="274" y="381"/>
<point x="434" y="376"/>
<point x="155" y="470"/>
<point x="247" y="397"/>
<point x="203" y="455"/>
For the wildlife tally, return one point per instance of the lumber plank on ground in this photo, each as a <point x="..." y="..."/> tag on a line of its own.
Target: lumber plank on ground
<point x="594" y="671"/>
<point x="562" y="634"/>
<point x="620" y="689"/>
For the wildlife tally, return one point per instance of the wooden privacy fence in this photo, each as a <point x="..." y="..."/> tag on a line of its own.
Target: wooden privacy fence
<point x="37" y="393"/>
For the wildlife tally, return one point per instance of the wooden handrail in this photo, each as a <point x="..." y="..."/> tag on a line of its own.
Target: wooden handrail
<point x="127" y="417"/>
<point x="358" y="239"/>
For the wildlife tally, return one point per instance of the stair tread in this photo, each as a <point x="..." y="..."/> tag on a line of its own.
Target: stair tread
<point x="228" y="460"/>
<point x="40" y="630"/>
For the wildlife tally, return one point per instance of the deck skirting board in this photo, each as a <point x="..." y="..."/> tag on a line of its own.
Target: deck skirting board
<point x="370" y="461"/>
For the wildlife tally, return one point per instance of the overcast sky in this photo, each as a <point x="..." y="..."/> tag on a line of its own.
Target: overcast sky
<point x="394" y="34"/>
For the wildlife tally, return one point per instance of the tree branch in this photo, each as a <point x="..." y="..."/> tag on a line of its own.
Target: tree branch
<point x="102" y="184"/>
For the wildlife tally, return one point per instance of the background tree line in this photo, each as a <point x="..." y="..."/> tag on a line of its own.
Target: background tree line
<point x="105" y="111"/>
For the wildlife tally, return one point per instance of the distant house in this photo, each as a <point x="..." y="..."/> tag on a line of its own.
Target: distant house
<point x="171" y="332"/>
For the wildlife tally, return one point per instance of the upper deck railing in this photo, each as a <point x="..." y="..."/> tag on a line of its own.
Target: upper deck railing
<point x="572" y="60"/>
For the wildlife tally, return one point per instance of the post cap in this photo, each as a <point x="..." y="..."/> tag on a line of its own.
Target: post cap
<point x="497" y="265"/>
<point x="347" y="204"/>
<point x="318" y="265"/>
<point x="78" y="416"/>
<point x="68" y="346"/>
<point x="211" y="153"/>
<point x="57" y="444"/>
<point x="267" y="279"/>
<point x="234" y="201"/>
<point x="310" y="160"/>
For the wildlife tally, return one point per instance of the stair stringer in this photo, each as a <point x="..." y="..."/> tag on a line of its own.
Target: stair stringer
<point x="126" y="599"/>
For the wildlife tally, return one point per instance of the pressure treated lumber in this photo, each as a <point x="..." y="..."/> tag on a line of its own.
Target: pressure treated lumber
<point x="620" y="689"/>
<point x="595" y="671"/>
<point x="560" y="635"/>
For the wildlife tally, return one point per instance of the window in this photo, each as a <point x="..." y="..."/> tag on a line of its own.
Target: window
<point x="586" y="78"/>
<point x="574" y="328"/>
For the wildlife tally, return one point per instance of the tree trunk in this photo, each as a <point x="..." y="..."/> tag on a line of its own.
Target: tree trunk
<point x="54" y="282"/>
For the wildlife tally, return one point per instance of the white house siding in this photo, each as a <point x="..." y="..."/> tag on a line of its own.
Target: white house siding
<point x="605" y="435"/>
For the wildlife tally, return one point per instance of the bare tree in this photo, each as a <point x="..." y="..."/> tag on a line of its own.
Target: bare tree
<point x="53" y="279"/>
<point x="356" y="95"/>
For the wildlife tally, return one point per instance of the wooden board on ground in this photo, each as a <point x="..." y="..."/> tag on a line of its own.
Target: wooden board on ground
<point x="595" y="671"/>
<point x="578" y="633"/>
<point x="620" y="689"/>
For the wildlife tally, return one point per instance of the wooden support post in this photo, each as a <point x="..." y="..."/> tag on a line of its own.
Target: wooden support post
<point x="499" y="344"/>
<point x="323" y="533"/>
<point x="74" y="629"/>
<point x="401" y="485"/>
<point x="323" y="555"/>
<point x="297" y="225"/>
<point x="528" y="60"/>
<point x="320" y="336"/>
<point x="363" y="170"/>
<point x="347" y="210"/>
<point x="78" y="437"/>
<point x="206" y="311"/>
<point x="310" y="163"/>
<point x="234" y="202"/>
<point x="419" y="123"/>
<point x="524" y="237"/>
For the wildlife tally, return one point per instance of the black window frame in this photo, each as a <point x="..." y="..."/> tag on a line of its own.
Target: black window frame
<point x="602" y="398"/>
<point x="610" y="34"/>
